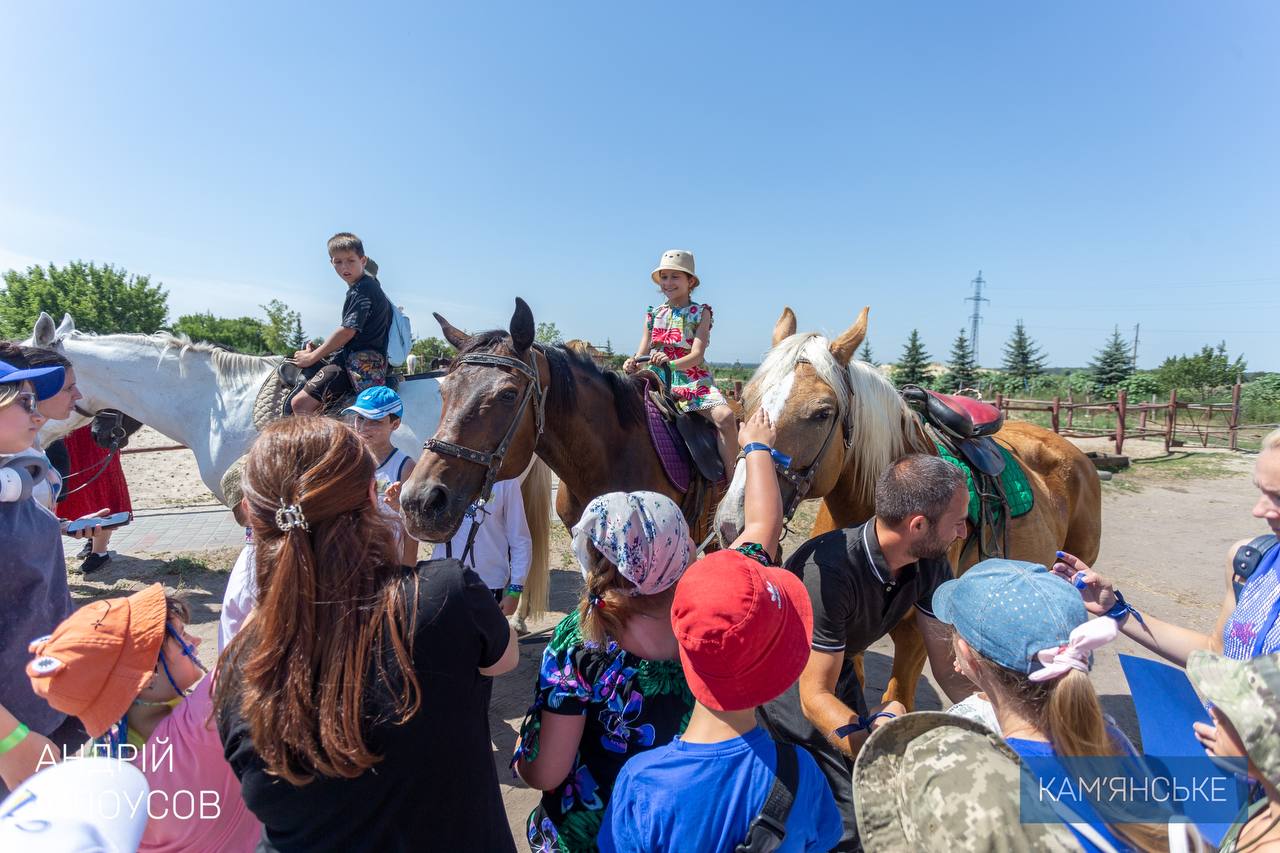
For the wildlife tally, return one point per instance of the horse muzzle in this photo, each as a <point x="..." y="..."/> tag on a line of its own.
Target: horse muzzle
<point x="432" y="511"/>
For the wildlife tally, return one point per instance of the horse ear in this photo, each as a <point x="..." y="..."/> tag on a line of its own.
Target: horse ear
<point x="847" y="344"/>
<point x="45" y="334"/>
<point x="66" y="327"/>
<point x="785" y="327"/>
<point x="452" y="334"/>
<point x="522" y="330"/>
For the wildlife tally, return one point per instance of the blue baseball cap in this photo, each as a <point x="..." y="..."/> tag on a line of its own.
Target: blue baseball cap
<point x="1008" y="610"/>
<point x="46" y="381"/>
<point x="376" y="403"/>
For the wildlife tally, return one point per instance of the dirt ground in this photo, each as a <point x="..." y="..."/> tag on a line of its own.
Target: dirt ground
<point x="1167" y="526"/>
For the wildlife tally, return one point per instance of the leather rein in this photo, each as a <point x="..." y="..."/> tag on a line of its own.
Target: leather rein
<point x="493" y="460"/>
<point x="802" y="479"/>
<point x="118" y="437"/>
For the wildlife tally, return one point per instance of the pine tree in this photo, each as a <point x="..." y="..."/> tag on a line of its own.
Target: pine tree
<point x="964" y="371"/>
<point x="297" y="339"/>
<point x="865" y="354"/>
<point x="1023" y="359"/>
<point x="913" y="367"/>
<point x="1112" y="365"/>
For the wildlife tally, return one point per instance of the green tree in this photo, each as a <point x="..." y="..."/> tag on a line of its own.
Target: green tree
<point x="431" y="348"/>
<point x="866" y="355"/>
<point x="913" y="367"/>
<point x="1203" y="372"/>
<point x="548" y="334"/>
<point x="963" y="372"/>
<point x="1023" y="359"/>
<point x="1112" y="365"/>
<point x="103" y="299"/>
<point x="280" y="328"/>
<point x="242" y="334"/>
<point x="297" y="340"/>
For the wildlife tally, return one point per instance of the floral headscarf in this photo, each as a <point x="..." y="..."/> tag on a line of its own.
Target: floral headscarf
<point x="644" y="534"/>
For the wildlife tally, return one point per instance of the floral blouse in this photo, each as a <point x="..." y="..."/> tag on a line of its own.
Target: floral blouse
<point x="672" y="331"/>
<point x="631" y="705"/>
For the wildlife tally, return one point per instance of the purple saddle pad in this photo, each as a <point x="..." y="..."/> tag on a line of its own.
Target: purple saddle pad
<point x="670" y="447"/>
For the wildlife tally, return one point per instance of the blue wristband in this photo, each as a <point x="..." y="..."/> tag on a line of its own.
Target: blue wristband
<point x="863" y="724"/>
<point x="781" y="458"/>
<point x="1122" y="608"/>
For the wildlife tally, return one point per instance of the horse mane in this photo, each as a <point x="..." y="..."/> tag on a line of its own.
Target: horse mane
<point x="227" y="364"/>
<point x="569" y="366"/>
<point x="884" y="429"/>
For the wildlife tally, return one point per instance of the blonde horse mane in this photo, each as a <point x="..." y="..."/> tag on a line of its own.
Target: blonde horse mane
<point x="883" y="427"/>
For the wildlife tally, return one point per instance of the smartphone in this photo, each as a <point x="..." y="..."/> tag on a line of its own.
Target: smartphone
<point x="120" y="518"/>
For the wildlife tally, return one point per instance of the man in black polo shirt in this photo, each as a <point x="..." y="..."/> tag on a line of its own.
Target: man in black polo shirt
<point x="359" y="345"/>
<point x="862" y="581"/>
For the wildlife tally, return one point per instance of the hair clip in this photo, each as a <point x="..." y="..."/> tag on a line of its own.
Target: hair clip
<point x="289" y="516"/>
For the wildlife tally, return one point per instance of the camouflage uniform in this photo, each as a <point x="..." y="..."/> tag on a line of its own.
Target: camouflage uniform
<point x="936" y="782"/>
<point x="1248" y="693"/>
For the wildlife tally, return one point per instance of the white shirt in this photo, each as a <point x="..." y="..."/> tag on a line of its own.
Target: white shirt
<point x="503" y="549"/>
<point x="240" y="597"/>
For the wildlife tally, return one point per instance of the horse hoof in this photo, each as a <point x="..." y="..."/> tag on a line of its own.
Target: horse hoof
<point x="517" y="622"/>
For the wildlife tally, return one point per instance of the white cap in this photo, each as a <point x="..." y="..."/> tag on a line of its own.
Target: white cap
<point x="88" y="805"/>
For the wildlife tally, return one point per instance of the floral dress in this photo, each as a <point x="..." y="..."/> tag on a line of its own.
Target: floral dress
<point x="672" y="330"/>
<point x="631" y="705"/>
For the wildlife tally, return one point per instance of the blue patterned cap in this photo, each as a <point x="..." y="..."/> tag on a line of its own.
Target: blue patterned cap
<point x="376" y="403"/>
<point x="1008" y="611"/>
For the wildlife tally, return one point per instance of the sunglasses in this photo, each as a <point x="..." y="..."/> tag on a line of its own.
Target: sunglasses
<point x="27" y="400"/>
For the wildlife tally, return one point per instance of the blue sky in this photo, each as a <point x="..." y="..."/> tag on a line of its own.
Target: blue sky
<point x="1101" y="163"/>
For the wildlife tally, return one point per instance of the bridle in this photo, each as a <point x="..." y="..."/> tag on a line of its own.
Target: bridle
<point x="119" y="438"/>
<point x="493" y="459"/>
<point x="802" y="479"/>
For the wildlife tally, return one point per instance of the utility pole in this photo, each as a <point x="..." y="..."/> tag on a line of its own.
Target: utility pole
<point x="1136" y="327"/>
<point x="975" y="319"/>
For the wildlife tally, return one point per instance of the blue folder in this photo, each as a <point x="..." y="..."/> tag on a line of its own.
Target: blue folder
<point x="1167" y="705"/>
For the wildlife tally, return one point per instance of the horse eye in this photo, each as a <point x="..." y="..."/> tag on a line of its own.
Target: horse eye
<point x="821" y="415"/>
<point x="508" y="396"/>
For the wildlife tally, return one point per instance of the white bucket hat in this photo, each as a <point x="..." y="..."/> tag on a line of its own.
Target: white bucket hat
<point x="675" y="259"/>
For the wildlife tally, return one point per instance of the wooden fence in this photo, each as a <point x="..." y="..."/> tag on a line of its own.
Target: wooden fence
<point x="1154" y="420"/>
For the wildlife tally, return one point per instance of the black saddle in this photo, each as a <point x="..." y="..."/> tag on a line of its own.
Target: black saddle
<point x="699" y="433"/>
<point x="963" y="423"/>
<point x="293" y="377"/>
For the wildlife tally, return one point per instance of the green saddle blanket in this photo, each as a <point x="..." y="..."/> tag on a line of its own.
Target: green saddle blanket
<point x="1013" y="482"/>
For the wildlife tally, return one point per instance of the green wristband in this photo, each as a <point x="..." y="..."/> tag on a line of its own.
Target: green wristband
<point x="15" y="737"/>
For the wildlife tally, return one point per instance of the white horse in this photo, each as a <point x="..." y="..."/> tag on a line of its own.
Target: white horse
<point x="197" y="394"/>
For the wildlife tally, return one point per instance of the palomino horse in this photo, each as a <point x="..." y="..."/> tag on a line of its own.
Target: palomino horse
<point x="507" y="398"/>
<point x="843" y="423"/>
<point x="202" y="396"/>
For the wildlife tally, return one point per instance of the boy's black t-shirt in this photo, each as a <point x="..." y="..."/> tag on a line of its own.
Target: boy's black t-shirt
<point x="367" y="310"/>
<point x="436" y="787"/>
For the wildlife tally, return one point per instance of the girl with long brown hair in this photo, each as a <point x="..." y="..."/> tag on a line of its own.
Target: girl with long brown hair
<point x="350" y="703"/>
<point x="1021" y="634"/>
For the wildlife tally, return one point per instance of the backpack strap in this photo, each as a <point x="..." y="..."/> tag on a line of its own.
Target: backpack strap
<point x="1247" y="559"/>
<point x="770" y="826"/>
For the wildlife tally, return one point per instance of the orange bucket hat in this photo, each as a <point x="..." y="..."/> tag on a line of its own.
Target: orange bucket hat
<point x="96" y="662"/>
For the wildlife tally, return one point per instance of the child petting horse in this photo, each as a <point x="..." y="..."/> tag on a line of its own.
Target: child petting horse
<point x="677" y="334"/>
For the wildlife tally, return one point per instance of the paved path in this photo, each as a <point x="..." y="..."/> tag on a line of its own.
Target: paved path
<point x="155" y="531"/>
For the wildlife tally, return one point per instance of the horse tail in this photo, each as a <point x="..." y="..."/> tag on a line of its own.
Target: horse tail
<point x="536" y="492"/>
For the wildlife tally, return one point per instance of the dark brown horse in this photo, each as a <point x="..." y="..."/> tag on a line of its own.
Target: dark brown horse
<point x="506" y="398"/>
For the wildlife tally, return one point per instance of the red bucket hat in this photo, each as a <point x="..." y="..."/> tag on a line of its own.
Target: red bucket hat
<point x="744" y="630"/>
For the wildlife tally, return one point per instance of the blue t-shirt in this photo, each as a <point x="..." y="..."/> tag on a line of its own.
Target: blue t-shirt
<point x="1041" y="749"/>
<point x="703" y="796"/>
